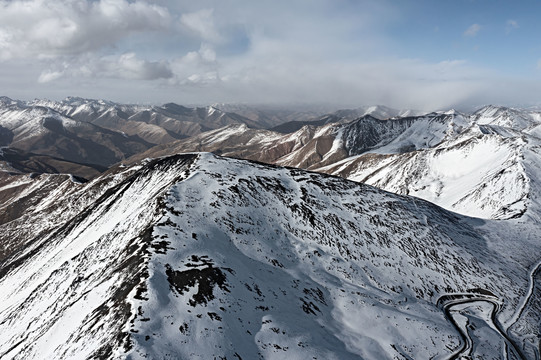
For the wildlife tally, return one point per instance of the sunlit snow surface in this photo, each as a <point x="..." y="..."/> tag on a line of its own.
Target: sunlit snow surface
<point x="197" y="256"/>
<point x="484" y="171"/>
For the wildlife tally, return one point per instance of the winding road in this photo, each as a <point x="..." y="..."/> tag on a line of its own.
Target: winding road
<point x="522" y="306"/>
<point x="465" y="309"/>
<point x="535" y="269"/>
<point x="461" y="309"/>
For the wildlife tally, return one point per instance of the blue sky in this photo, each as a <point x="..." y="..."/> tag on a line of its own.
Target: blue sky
<point x="403" y="53"/>
<point x="505" y="38"/>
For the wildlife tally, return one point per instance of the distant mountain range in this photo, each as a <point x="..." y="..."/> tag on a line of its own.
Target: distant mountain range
<point x="99" y="133"/>
<point x="102" y="133"/>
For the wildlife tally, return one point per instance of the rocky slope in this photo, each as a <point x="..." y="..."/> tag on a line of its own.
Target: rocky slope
<point x="198" y="256"/>
<point x="312" y="147"/>
<point x="14" y="161"/>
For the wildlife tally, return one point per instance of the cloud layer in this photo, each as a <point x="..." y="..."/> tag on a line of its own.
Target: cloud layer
<point x="310" y="51"/>
<point x="44" y="29"/>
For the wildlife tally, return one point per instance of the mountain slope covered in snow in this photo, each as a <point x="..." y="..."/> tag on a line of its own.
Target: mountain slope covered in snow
<point x="155" y="124"/>
<point x="482" y="170"/>
<point x="42" y="130"/>
<point x="485" y="164"/>
<point x="199" y="256"/>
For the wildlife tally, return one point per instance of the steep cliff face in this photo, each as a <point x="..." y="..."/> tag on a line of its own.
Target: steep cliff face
<point x="198" y="256"/>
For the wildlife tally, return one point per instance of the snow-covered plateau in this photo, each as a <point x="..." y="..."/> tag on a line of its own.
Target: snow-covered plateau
<point x="198" y="256"/>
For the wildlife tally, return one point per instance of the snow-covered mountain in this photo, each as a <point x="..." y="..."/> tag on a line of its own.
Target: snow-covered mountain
<point x="103" y="132"/>
<point x="202" y="256"/>
<point x="479" y="173"/>
<point x="379" y="112"/>
<point x="485" y="164"/>
<point x="199" y="256"/>
<point x="45" y="131"/>
<point x="314" y="146"/>
<point x="100" y="132"/>
<point x="291" y="118"/>
<point x="154" y="124"/>
<point x="268" y="116"/>
<point x="507" y="117"/>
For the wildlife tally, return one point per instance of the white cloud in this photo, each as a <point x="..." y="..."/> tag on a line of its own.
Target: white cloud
<point x="126" y="66"/>
<point x="196" y="67"/>
<point x="58" y="27"/>
<point x="202" y="23"/>
<point x="511" y="25"/>
<point x="406" y="83"/>
<point x="205" y="51"/>
<point x="49" y="75"/>
<point x="472" y="30"/>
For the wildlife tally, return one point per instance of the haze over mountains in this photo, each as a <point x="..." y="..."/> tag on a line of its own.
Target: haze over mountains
<point x="169" y="251"/>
